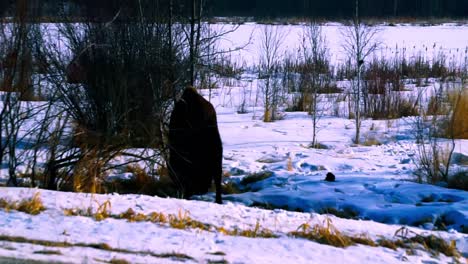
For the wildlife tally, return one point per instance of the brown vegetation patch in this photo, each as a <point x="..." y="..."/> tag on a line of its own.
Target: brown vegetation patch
<point x="256" y="177"/>
<point x="101" y="246"/>
<point x="31" y="206"/>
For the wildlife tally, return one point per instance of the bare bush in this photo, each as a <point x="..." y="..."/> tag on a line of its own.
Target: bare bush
<point x="116" y="81"/>
<point x="19" y="60"/>
<point x="436" y="136"/>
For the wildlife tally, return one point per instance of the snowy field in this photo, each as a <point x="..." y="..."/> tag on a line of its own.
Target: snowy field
<point x="450" y="39"/>
<point x="374" y="192"/>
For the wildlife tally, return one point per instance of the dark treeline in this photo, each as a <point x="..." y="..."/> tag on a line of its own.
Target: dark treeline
<point x="341" y="8"/>
<point x="331" y="9"/>
<point x="46" y="10"/>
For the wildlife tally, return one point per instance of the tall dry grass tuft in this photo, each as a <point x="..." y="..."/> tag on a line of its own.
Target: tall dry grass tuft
<point x="141" y="178"/>
<point x="31" y="206"/>
<point x="87" y="175"/>
<point x="430" y="243"/>
<point x="102" y="211"/>
<point x="325" y="234"/>
<point x="459" y="103"/>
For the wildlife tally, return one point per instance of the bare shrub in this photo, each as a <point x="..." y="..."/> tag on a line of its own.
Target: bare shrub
<point x="390" y="105"/>
<point x="431" y="162"/>
<point x="434" y="155"/>
<point x="125" y="73"/>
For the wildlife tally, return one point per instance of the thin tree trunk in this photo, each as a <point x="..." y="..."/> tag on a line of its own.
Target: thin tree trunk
<point x="192" y="44"/>
<point x="358" y="64"/>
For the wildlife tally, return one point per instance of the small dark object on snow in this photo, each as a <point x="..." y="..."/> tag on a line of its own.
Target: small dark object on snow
<point x="330" y="177"/>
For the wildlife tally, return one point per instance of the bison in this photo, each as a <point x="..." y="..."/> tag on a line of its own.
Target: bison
<point x="195" y="146"/>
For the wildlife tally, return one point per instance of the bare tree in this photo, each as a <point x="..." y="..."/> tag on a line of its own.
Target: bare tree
<point x="270" y="44"/>
<point x="359" y="43"/>
<point x="395" y="8"/>
<point x="315" y="70"/>
<point x="17" y="62"/>
<point x="200" y="41"/>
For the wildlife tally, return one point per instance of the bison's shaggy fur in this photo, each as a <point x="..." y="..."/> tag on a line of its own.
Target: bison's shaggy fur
<point x="196" y="150"/>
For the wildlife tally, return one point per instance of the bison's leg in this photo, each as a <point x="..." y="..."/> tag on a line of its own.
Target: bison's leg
<point x="216" y="168"/>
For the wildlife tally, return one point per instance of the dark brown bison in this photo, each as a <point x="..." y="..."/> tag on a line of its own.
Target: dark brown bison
<point x="196" y="150"/>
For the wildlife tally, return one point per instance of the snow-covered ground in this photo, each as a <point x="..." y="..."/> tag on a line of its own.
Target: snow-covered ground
<point x="143" y="240"/>
<point x="373" y="190"/>
<point x="372" y="181"/>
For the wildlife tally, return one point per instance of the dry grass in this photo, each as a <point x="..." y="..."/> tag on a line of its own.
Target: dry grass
<point x="436" y="107"/>
<point x="371" y="140"/>
<point x="230" y="188"/>
<point x="31" y="206"/>
<point x="289" y="165"/>
<point x="363" y="239"/>
<point x="88" y="173"/>
<point x="318" y="145"/>
<point x="143" y="183"/>
<point x="329" y="235"/>
<point x="323" y="234"/>
<point x="388" y="243"/>
<point x="256" y="177"/>
<point x="453" y="104"/>
<point x="255" y="232"/>
<point x="459" y="102"/>
<point x="412" y="241"/>
<point x="181" y="220"/>
<point x="429" y="243"/>
<point x="141" y="177"/>
<point x="184" y="221"/>
<point x="48" y="252"/>
<point x="176" y="256"/>
<point x="102" y="212"/>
